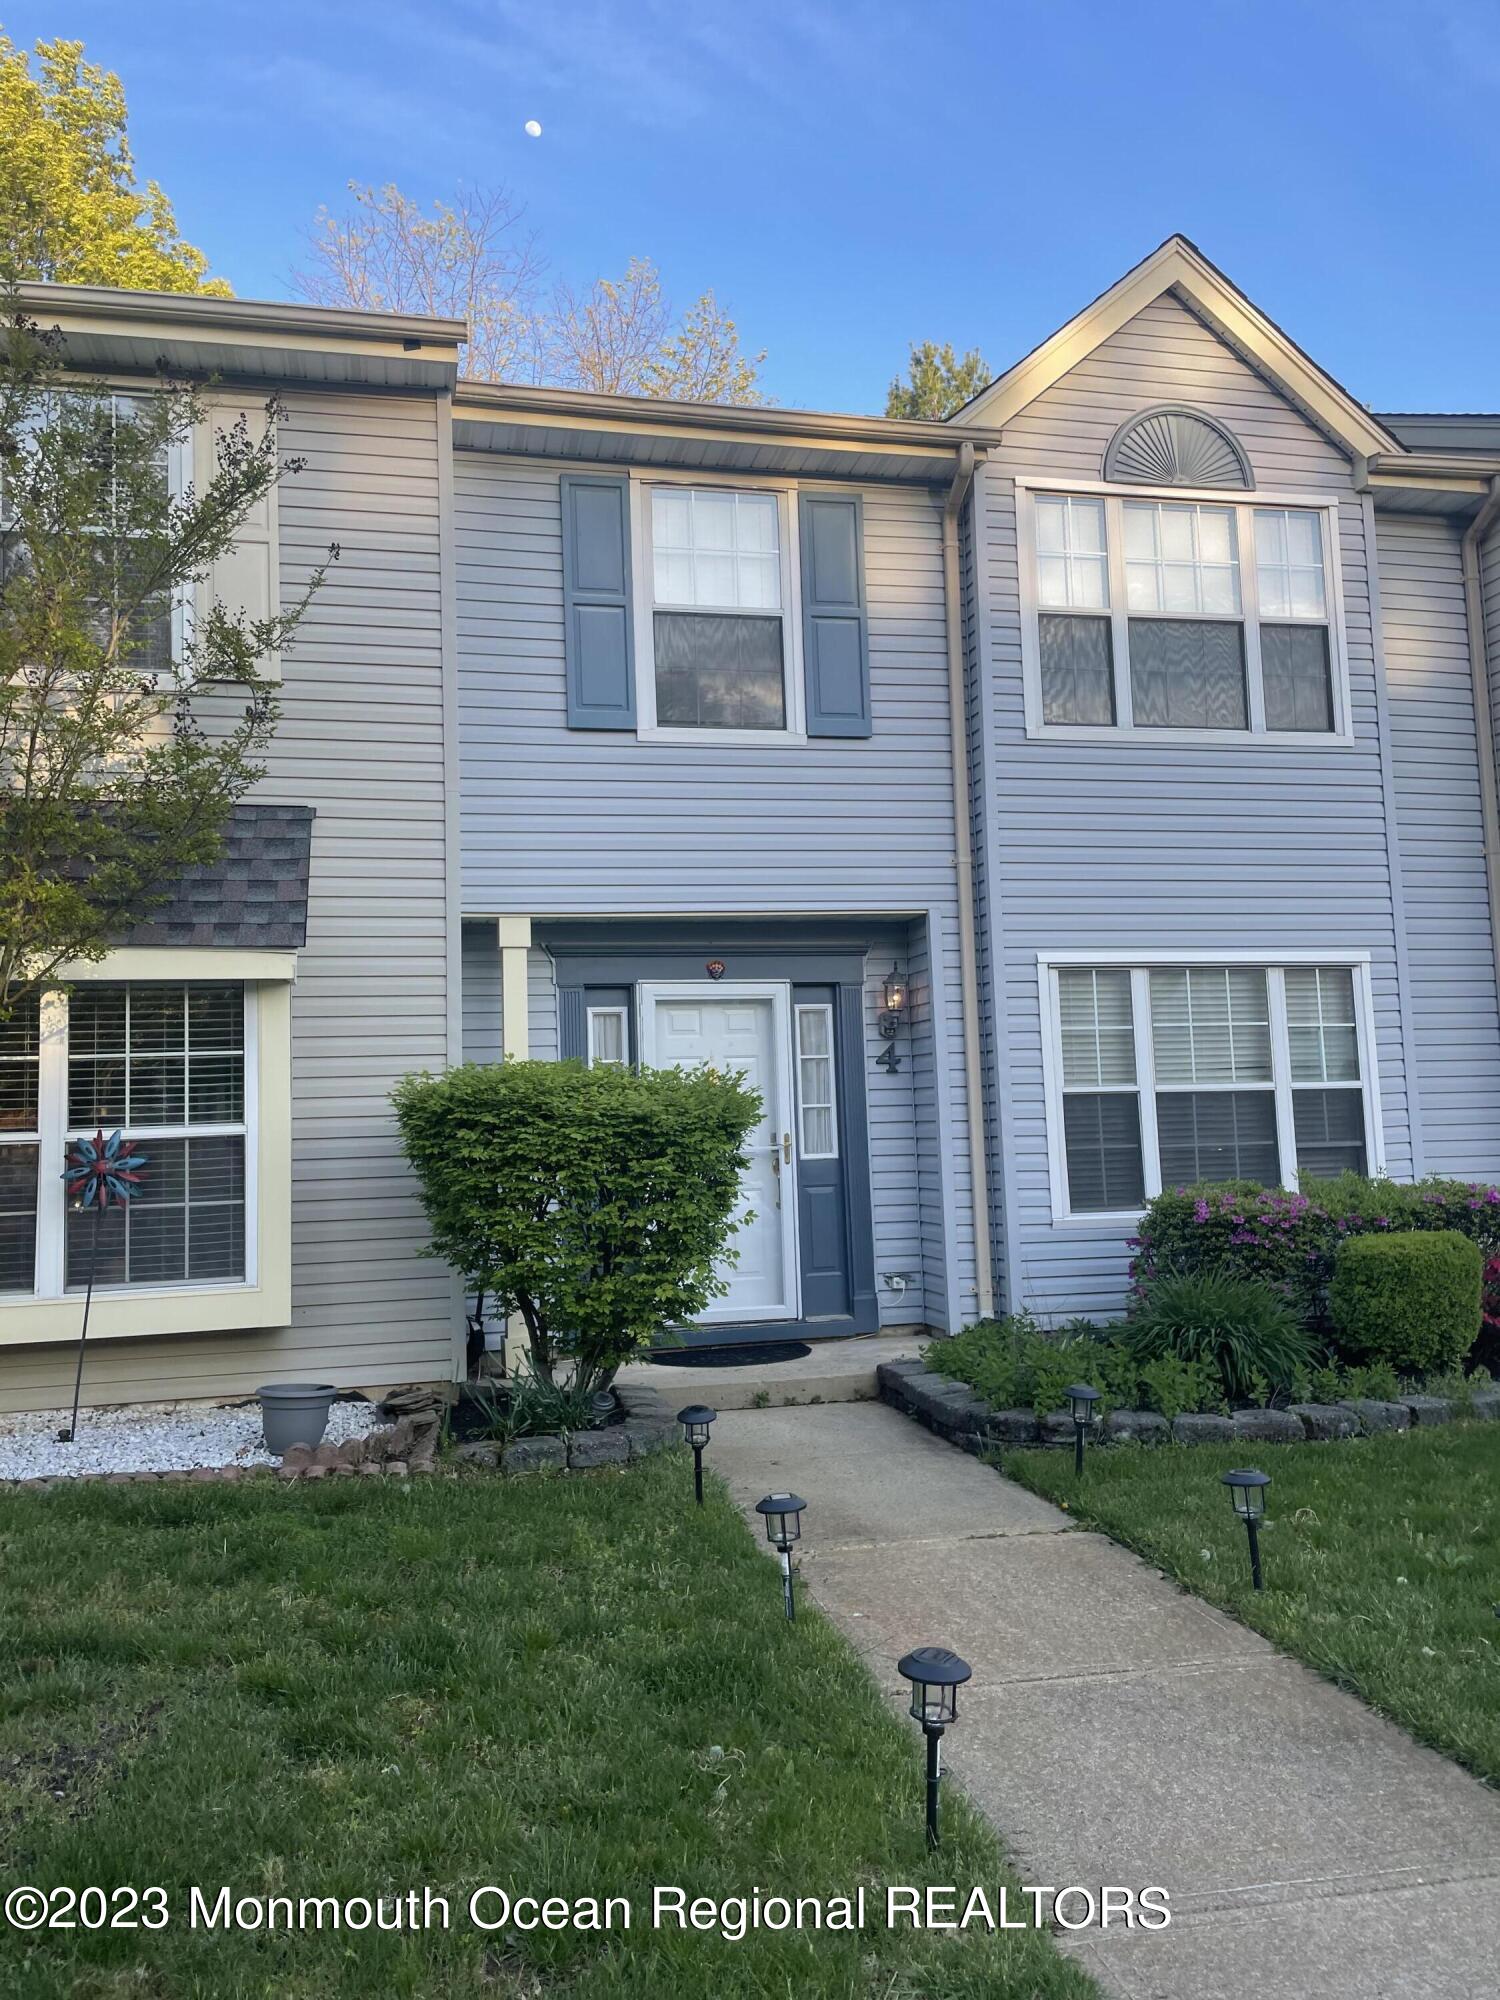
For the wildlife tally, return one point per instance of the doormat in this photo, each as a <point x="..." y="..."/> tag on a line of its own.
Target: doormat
<point x="753" y="1353"/>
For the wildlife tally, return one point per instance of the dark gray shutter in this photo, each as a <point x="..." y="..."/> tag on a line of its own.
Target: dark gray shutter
<point x="600" y="641"/>
<point x="835" y="627"/>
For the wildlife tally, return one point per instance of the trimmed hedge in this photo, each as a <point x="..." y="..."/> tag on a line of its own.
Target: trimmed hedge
<point x="1291" y="1241"/>
<point x="1410" y="1299"/>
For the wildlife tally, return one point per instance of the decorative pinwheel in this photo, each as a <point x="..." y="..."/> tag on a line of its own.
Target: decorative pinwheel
<point x="100" y="1171"/>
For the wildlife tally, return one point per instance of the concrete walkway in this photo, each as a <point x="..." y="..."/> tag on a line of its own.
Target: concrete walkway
<point x="1119" y="1731"/>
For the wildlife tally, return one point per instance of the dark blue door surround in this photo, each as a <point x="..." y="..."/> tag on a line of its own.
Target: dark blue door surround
<point x="824" y="961"/>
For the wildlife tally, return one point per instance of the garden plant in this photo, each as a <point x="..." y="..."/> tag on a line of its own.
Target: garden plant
<point x="595" y="1202"/>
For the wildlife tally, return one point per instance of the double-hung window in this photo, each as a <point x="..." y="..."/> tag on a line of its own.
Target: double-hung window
<point x="1169" y="1074"/>
<point x="165" y="1063"/>
<point x="131" y="491"/>
<point x="1202" y="614"/>
<point x="721" y="639"/>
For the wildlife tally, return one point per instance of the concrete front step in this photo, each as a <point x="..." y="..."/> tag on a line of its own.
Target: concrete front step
<point x="834" y="1371"/>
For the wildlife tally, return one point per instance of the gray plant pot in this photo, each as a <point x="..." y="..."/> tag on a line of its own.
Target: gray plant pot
<point x="294" y="1413"/>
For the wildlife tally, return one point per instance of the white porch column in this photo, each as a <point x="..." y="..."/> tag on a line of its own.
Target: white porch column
<point x="515" y="1045"/>
<point x="515" y="944"/>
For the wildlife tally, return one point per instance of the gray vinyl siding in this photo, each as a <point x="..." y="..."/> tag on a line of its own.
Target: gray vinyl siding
<point x="541" y="1006"/>
<point x="361" y="740"/>
<point x="1435" y="752"/>
<point x="1489" y="590"/>
<point x="483" y="1009"/>
<point x="1161" y="847"/>
<point x="481" y="993"/>
<point x="891" y="1108"/>
<point x="560" y="822"/>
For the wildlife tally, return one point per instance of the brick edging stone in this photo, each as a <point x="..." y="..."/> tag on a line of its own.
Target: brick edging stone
<point x="410" y="1446"/>
<point x="954" y="1411"/>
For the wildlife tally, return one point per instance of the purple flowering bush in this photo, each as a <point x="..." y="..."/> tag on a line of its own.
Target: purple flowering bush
<point x="1290" y="1241"/>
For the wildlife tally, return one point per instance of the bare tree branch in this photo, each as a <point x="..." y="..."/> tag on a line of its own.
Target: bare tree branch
<point x="470" y="259"/>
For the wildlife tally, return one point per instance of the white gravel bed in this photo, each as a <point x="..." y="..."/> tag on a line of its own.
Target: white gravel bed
<point x="152" y="1437"/>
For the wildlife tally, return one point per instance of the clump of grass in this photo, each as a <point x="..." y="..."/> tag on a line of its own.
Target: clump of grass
<point x="1241" y="1330"/>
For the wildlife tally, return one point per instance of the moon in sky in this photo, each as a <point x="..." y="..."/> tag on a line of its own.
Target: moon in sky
<point x="533" y="128"/>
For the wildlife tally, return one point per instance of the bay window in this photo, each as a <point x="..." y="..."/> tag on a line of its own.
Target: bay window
<point x="1168" y="1074"/>
<point x="165" y="1063"/>
<point x="1205" y="614"/>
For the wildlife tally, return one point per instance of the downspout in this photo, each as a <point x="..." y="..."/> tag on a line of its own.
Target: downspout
<point x="1489" y="805"/>
<point x="968" y="961"/>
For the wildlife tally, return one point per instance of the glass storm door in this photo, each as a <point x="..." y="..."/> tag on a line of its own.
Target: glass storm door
<point x="743" y="1028"/>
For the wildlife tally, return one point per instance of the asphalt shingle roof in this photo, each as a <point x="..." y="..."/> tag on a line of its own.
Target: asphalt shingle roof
<point x="253" y="897"/>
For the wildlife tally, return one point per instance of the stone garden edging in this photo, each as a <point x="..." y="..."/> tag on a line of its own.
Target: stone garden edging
<point x="410" y="1446"/>
<point x="954" y="1411"/>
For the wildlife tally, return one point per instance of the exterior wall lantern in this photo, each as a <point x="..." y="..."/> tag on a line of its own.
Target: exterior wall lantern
<point x="1083" y="1405"/>
<point x="936" y="1675"/>
<point x="1248" y="1491"/>
<point x="782" y="1514"/>
<point x="893" y="997"/>
<point x="696" y="1420"/>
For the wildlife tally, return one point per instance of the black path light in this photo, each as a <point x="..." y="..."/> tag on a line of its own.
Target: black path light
<point x="936" y="1675"/>
<point x="1248" y="1491"/>
<point x="782" y="1514"/>
<point x="696" y="1421"/>
<point x="1082" y="1403"/>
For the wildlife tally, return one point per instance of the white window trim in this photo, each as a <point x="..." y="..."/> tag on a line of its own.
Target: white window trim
<point x="1140" y="966"/>
<point x="1244" y="502"/>
<point x="262" y="1298"/>
<point x="644" y="596"/>
<point x="816" y="1007"/>
<point x="616" y="1012"/>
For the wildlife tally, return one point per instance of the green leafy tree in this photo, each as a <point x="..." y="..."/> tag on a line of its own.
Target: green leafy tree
<point x="70" y="206"/>
<point x="937" y="382"/>
<point x="593" y="1202"/>
<point x="121" y="754"/>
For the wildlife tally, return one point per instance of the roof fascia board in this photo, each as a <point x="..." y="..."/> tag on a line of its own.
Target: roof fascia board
<point x="1460" y="469"/>
<point x="544" y="409"/>
<point x="1177" y="266"/>
<point x="175" y="314"/>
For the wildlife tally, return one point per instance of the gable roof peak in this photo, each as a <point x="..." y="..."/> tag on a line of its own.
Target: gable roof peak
<point x="1177" y="265"/>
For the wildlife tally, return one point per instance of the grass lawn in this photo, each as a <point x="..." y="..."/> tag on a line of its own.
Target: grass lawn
<point x="1382" y="1559"/>
<point x="571" y="1687"/>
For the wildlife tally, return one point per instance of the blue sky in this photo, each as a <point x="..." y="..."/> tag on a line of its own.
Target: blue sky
<point x="853" y="177"/>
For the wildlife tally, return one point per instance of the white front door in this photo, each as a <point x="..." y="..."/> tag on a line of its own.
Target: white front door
<point x="745" y="1028"/>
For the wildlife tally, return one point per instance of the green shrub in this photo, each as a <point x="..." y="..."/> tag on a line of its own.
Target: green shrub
<point x="1013" y="1364"/>
<point x="1241" y="1329"/>
<point x="1290" y="1241"/>
<point x="1176" y="1388"/>
<point x="594" y="1202"/>
<point x="1411" y="1300"/>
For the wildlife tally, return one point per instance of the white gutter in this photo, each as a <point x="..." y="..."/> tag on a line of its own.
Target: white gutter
<point x="968" y="971"/>
<point x="1489" y="805"/>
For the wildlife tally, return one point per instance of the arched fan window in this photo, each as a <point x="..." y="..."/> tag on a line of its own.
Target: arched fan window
<point x="1176" y="447"/>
